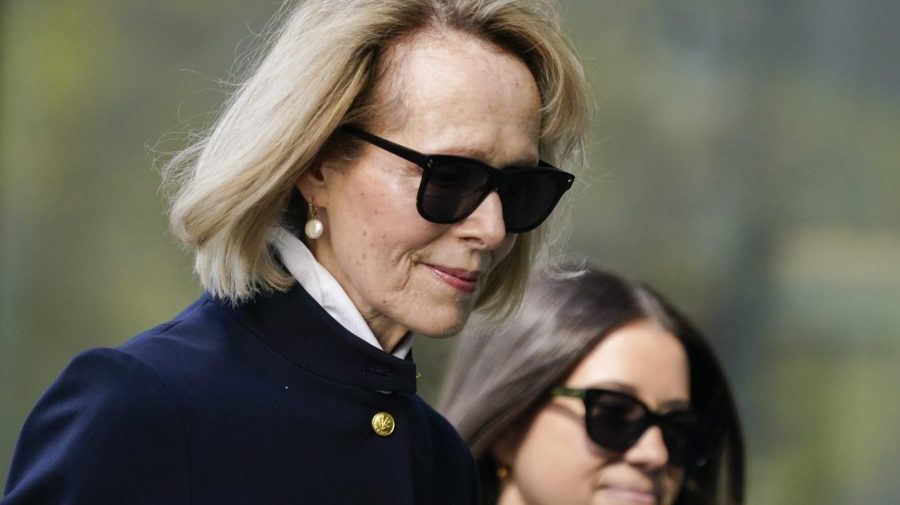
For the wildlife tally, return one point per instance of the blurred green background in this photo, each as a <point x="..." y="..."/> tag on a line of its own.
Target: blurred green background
<point x="746" y="162"/>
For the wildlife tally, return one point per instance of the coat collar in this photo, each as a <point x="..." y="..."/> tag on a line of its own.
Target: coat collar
<point x="322" y="287"/>
<point x="299" y="329"/>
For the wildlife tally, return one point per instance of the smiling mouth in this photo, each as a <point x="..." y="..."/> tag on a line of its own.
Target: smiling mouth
<point x="631" y="495"/>
<point x="463" y="280"/>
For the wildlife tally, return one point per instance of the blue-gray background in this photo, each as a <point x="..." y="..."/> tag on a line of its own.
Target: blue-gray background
<point x="746" y="161"/>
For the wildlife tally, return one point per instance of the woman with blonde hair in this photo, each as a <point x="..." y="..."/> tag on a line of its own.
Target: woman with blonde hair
<point x="597" y="392"/>
<point x="382" y="171"/>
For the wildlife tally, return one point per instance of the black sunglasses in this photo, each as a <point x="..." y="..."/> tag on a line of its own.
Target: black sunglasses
<point x="616" y="421"/>
<point x="453" y="187"/>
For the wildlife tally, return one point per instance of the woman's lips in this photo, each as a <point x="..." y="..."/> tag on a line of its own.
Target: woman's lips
<point x="463" y="280"/>
<point x="631" y="495"/>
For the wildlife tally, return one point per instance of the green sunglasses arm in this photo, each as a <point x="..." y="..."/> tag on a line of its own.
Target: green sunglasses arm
<point x="565" y="391"/>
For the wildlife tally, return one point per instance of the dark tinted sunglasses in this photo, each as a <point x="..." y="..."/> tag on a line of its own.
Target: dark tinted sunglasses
<point x="616" y="421"/>
<point x="453" y="187"/>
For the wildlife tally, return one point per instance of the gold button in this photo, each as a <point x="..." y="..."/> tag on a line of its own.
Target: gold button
<point x="383" y="424"/>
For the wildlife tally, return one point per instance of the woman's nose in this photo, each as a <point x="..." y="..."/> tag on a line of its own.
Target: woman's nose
<point x="649" y="451"/>
<point x="485" y="226"/>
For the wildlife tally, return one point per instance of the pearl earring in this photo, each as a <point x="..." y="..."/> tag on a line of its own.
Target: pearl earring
<point x="314" y="227"/>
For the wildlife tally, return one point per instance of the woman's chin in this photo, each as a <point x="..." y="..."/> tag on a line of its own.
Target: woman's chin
<point x="441" y="327"/>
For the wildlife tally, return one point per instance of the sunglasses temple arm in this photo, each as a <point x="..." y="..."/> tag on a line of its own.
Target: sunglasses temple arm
<point x="403" y="152"/>
<point x="564" y="391"/>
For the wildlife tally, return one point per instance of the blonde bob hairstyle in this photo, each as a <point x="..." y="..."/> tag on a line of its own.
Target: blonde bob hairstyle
<point x="317" y="71"/>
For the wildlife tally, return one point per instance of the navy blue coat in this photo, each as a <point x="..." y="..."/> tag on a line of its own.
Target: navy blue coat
<point x="267" y="403"/>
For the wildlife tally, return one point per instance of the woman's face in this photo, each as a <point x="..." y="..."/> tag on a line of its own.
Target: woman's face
<point x="457" y="96"/>
<point x="555" y="462"/>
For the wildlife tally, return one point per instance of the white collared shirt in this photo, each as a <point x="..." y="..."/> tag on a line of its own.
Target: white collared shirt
<point x="326" y="291"/>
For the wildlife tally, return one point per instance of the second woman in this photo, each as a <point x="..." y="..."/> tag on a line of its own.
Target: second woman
<point x="598" y="392"/>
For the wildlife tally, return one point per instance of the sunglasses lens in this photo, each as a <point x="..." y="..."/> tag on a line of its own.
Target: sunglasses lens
<point x="451" y="190"/>
<point x="686" y="441"/>
<point x="529" y="196"/>
<point x="615" y="421"/>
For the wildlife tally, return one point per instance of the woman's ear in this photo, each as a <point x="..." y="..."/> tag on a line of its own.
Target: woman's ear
<point x="312" y="186"/>
<point x="504" y="449"/>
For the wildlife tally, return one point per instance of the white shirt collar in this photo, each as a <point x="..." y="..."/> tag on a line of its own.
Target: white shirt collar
<point x="326" y="291"/>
